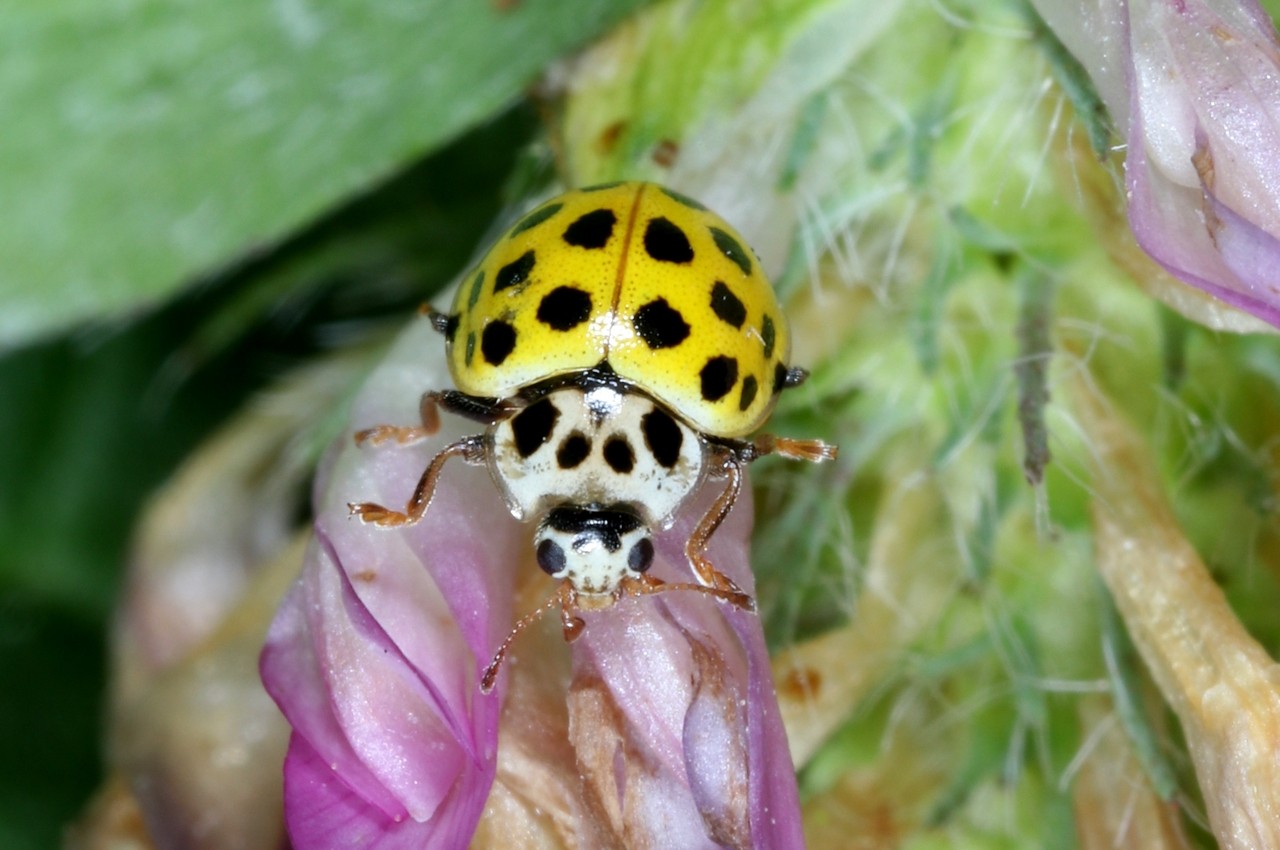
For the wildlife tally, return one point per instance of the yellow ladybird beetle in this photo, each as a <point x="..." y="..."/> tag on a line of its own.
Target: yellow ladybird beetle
<point x="621" y="345"/>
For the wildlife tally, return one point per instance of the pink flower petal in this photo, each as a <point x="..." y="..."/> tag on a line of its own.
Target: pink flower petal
<point x="1195" y="87"/>
<point x="1204" y="160"/>
<point x="673" y="710"/>
<point x="375" y="654"/>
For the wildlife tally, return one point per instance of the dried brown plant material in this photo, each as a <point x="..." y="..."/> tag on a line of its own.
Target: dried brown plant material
<point x="202" y="745"/>
<point x="112" y="821"/>
<point x="885" y="802"/>
<point x="911" y="574"/>
<point x="537" y="799"/>
<point x="194" y="745"/>
<point x="1115" y="805"/>
<point x="1219" y="681"/>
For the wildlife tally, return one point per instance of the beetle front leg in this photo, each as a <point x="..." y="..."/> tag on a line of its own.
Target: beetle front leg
<point x="473" y="449"/>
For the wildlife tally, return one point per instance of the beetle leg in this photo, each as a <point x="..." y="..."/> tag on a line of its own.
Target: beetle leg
<point x="486" y="411"/>
<point x="473" y="449"/>
<point x="814" y="451"/>
<point x="439" y="321"/>
<point x="647" y="585"/>
<point x="696" y="548"/>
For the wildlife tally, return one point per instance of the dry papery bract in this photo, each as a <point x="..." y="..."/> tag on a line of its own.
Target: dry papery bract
<point x="194" y="745"/>
<point x="1219" y="681"/>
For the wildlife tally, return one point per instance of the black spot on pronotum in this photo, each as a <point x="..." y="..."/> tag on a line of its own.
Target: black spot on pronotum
<point x="591" y="230"/>
<point x="564" y="308"/>
<point x="607" y="526"/>
<point x="718" y="377"/>
<point x="666" y="242"/>
<point x="532" y="426"/>
<point x="497" y="341"/>
<point x="640" y="557"/>
<point x="660" y="325"/>
<point x="769" y="335"/>
<point x="663" y="437"/>
<point x="451" y="327"/>
<point x="550" y="557"/>
<point x="749" y="388"/>
<point x="683" y="199"/>
<point x="573" y="450"/>
<point x="618" y="454"/>
<point x="727" y="306"/>
<point x="535" y="218"/>
<point x="514" y="272"/>
<point x="732" y="249"/>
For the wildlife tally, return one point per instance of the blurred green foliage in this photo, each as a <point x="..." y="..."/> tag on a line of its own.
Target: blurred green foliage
<point x="286" y="155"/>
<point x="149" y="142"/>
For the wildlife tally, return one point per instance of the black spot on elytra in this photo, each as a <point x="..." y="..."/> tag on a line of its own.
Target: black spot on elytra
<point x="535" y="218"/>
<point x="564" y="308"/>
<point x="514" y="272"/>
<point x="532" y="426"/>
<point x="660" y="325"/>
<point x="666" y="242"/>
<point x="497" y="341"/>
<point x="573" y="450"/>
<point x="769" y="335"/>
<point x="471" y="348"/>
<point x="618" y="454"/>
<point x="451" y="327"/>
<point x="732" y="249"/>
<point x="727" y="306"/>
<point x="779" y="378"/>
<point x="474" y="295"/>
<point x="683" y="199"/>
<point x="718" y="377"/>
<point x="591" y="230"/>
<point x="749" y="388"/>
<point x="663" y="437"/>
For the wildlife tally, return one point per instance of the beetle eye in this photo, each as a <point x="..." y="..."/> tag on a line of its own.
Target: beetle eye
<point x="550" y="557"/>
<point x="641" y="555"/>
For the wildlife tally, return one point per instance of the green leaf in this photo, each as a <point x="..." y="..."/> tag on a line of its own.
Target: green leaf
<point x="148" y="142"/>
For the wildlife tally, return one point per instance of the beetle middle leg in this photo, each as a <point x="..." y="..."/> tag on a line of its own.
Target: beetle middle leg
<point x="732" y="457"/>
<point x="473" y="449"/>
<point x="696" y="548"/>
<point x="486" y="411"/>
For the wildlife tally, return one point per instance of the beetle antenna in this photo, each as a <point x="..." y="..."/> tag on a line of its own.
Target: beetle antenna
<point x="491" y="672"/>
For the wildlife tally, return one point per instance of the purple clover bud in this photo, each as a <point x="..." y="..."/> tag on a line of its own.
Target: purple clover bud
<point x="673" y="711"/>
<point x="1194" y="87"/>
<point x="373" y="654"/>
<point x="376" y="654"/>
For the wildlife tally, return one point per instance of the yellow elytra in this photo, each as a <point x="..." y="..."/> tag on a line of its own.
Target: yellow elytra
<point x="637" y="278"/>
